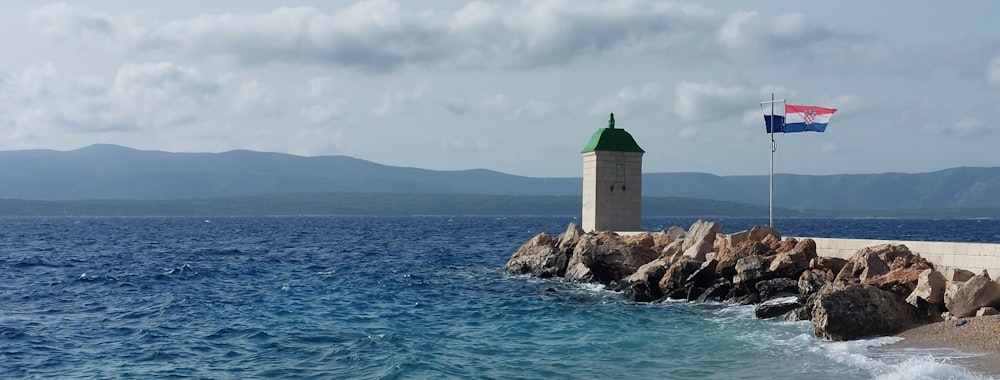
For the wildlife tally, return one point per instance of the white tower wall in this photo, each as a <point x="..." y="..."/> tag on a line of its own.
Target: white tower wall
<point x="612" y="191"/>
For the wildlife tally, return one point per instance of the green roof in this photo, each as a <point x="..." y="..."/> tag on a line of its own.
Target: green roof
<point x="612" y="139"/>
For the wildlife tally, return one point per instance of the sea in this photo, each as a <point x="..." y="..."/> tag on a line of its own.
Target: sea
<point x="393" y="298"/>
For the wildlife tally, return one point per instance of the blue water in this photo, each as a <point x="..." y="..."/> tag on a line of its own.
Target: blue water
<point x="378" y="297"/>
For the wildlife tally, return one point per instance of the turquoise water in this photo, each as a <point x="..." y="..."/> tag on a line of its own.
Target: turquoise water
<point x="380" y="298"/>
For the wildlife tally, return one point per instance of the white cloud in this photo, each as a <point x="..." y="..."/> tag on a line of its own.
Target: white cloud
<point x="394" y="101"/>
<point x="630" y="100"/>
<point x="70" y="23"/>
<point x="142" y="95"/>
<point x="254" y="98"/>
<point x="993" y="72"/>
<point x="700" y="102"/>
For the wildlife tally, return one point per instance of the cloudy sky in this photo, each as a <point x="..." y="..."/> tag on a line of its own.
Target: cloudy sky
<point x="517" y="87"/>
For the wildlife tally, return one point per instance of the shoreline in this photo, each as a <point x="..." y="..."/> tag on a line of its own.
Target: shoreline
<point x="978" y="339"/>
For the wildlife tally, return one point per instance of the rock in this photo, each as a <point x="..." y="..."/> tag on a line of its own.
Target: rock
<point x="717" y="291"/>
<point x="698" y="250"/>
<point x="987" y="311"/>
<point x="579" y="273"/>
<point x="644" y="284"/>
<point x="538" y="257"/>
<point x="728" y="258"/>
<point x="858" y="311"/>
<point x="787" y="245"/>
<point x="930" y="288"/>
<point x="705" y="274"/>
<point x="900" y="281"/>
<point x="568" y="239"/>
<point x="869" y="262"/>
<point x="958" y="275"/>
<point x="608" y="257"/>
<point x="771" y="241"/>
<point x="699" y="233"/>
<point x="980" y="291"/>
<point x="949" y="291"/>
<point x="759" y="233"/>
<point x="641" y="292"/>
<point x="675" y="232"/>
<point x="676" y="276"/>
<point x="673" y="250"/>
<point x="790" y="263"/>
<point x="775" y="287"/>
<point x="749" y="271"/>
<point x="776" y="307"/>
<point x="832" y="264"/>
<point x="662" y="239"/>
<point x="732" y="240"/>
<point x="812" y="280"/>
<point x="643" y="239"/>
<point x="808" y="247"/>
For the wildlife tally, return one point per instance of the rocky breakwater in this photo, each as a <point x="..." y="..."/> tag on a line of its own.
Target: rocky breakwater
<point x="880" y="290"/>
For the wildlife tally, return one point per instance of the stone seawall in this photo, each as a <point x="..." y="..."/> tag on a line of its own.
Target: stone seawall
<point x="974" y="257"/>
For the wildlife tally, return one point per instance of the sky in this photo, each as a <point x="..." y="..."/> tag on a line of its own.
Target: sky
<point x="516" y="87"/>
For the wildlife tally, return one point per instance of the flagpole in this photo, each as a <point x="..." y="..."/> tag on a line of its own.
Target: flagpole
<point x="774" y="147"/>
<point x="770" y="184"/>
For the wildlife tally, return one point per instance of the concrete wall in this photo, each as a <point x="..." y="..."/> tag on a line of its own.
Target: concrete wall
<point x="612" y="197"/>
<point x="970" y="256"/>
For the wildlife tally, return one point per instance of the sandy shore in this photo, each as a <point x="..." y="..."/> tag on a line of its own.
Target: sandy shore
<point x="979" y="335"/>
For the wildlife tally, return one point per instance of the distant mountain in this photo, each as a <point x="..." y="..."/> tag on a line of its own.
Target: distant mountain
<point x="113" y="172"/>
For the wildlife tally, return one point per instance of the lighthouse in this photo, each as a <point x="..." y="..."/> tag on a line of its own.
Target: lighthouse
<point x="612" y="181"/>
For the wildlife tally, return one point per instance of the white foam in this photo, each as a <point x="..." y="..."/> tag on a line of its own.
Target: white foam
<point x="908" y="364"/>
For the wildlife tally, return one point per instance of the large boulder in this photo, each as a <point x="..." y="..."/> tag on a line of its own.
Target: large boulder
<point x="678" y="273"/>
<point x="749" y="271"/>
<point x="716" y="291"/>
<point x="644" y="284"/>
<point x="870" y="262"/>
<point x="608" y="257"/>
<point x="568" y="239"/>
<point x="900" y="281"/>
<point x="957" y="275"/>
<point x="729" y="257"/>
<point x="777" y="307"/>
<point x="700" y="240"/>
<point x="705" y="274"/>
<point x="644" y="239"/>
<point x="812" y="280"/>
<point x="538" y="257"/>
<point x="698" y="250"/>
<point x="930" y="288"/>
<point x="579" y="273"/>
<point x="858" y="311"/>
<point x="790" y="263"/>
<point x="776" y="287"/>
<point x="701" y="232"/>
<point x="980" y="291"/>
<point x="832" y="264"/>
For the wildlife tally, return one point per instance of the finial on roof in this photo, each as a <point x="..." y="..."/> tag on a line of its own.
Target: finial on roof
<point x="611" y="121"/>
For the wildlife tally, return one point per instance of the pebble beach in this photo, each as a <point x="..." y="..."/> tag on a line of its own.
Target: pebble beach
<point x="977" y="336"/>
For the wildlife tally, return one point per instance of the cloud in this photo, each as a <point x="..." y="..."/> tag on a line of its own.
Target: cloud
<point x="380" y="36"/>
<point x="966" y="127"/>
<point x="142" y="95"/>
<point x="394" y="101"/>
<point x="993" y="72"/>
<point x="703" y="102"/>
<point x="501" y="104"/>
<point x="254" y="98"/>
<point x="71" y="23"/>
<point x="630" y="100"/>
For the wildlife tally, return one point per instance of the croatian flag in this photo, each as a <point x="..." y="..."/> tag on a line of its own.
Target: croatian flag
<point x="800" y="119"/>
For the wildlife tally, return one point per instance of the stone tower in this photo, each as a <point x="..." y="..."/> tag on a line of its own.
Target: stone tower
<point x="612" y="181"/>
